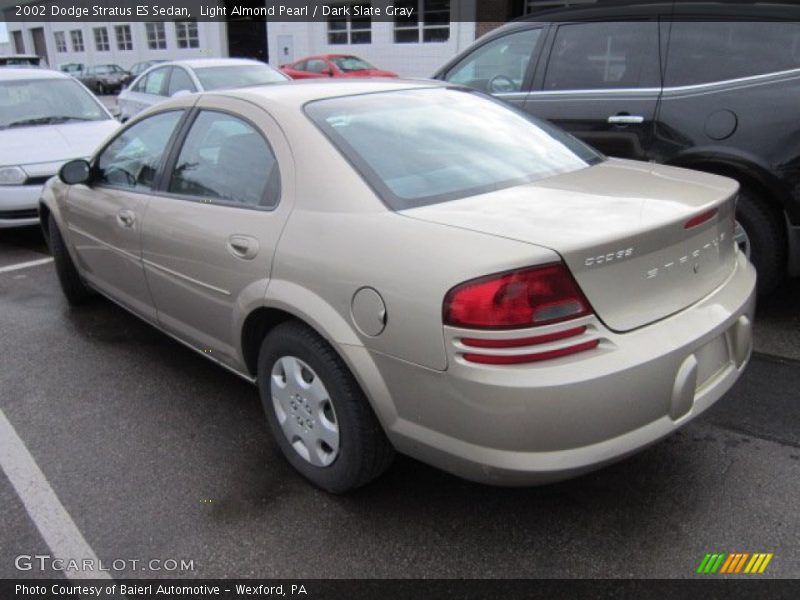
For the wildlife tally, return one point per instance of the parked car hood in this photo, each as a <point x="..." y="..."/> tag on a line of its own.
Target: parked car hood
<point x="621" y="227"/>
<point x="53" y="143"/>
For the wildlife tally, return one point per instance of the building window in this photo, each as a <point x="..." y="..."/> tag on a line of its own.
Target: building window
<point x="156" y="36"/>
<point x="76" y="35"/>
<point x="429" y="22"/>
<point x="350" y="29"/>
<point x="186" y="34"/>
<point x="61" y="41"/>
<point x="124" y="38"/>
<point x="101" y="39"/>
<point x="534" y="6"/>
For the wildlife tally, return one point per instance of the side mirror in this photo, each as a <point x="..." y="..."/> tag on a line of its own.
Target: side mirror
<point x="327" y="72"/>
<point x="75" y="172"/>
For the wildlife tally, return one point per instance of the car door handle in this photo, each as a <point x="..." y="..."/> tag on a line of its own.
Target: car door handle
<point x="243" y="246"/>
<point x="126" y="218"/>
<point x="625" y="119"/>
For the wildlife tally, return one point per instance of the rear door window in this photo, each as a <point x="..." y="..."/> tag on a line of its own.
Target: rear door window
<point x="611" y="55"/>
<point x="179" y="81"/>
<point x="704" y="52"/>
<point x="225" y="160"/>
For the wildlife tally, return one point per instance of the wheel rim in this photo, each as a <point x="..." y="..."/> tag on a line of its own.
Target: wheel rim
<point x="741" y="238"/>
<point x="304" y="410"/>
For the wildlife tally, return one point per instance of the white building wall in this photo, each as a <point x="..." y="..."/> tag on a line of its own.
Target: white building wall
<point x="407" y="60"/>
<point x="212" y="43"/>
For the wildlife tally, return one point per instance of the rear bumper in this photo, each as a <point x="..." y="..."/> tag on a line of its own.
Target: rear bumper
<point x="547" y="421"/>
<point x="18" y="205"/>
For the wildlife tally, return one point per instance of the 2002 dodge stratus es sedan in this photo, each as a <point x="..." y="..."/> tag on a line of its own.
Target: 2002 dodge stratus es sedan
<point x="406" y="266"/>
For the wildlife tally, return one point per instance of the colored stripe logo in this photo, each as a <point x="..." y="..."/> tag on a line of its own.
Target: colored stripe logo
<point x="734" y="563"/>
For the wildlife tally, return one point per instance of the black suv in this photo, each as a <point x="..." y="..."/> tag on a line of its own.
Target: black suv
<point x="705" y="86"/>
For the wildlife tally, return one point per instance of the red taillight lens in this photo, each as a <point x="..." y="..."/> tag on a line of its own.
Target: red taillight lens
<point x="701" y="218"/>
<point x="524" y="298"/>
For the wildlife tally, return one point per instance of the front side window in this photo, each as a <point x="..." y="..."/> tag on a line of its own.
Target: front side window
<point x="421" y="21"/>
<point x="76" y="36"/>
<point x="124" y="38"/>
<point x="61" y="41"/>
<point x="498" y="66"/>
<point x="225" y="160"/>
<point x="156" y="36"/>
<point x="590" y="56"/>
<point x="154" y="82"/>
<point x="132" y="159"/>
<point x="101" y="43"/>
<point x="186" y="34"/>
<point x="706" y="52"/>
<point x="418" y="147"/>
<point x="350" y="24"/>
<point x="27" y="103"/>
<point x="233" y="76"/>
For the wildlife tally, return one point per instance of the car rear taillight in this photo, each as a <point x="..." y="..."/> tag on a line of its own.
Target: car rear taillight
<point x="701" y="218"/>
<point x="523" y="298"/>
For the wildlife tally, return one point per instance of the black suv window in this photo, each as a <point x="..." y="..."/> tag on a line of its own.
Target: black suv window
<point x="499" y="65"/>
<point x="589" y="56"/>
<point x="224" y="159"/>
<point x="706" y="52"/>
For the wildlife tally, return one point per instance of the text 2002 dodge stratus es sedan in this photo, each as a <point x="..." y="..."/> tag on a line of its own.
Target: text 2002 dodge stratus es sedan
<point x="401" y="265"/>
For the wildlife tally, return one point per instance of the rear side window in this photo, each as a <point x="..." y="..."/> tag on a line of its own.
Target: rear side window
<point x="589" y="56"/>
<point x="721" y="50"/>
<point x="179" y="81"/>
<point x="498" y="66"/>
<point x="132" y="159"/>
<point x="224" y="159"/>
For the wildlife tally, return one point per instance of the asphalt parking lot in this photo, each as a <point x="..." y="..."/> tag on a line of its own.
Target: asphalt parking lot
<point x="155" y="453"/>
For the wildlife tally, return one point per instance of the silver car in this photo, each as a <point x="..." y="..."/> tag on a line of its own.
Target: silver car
<point x="46" y="119"/>
<point x="406" y="266"/>
<point x="168" y="79"/>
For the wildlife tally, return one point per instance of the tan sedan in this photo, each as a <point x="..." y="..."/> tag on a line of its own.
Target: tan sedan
<point x="406" y="266"/>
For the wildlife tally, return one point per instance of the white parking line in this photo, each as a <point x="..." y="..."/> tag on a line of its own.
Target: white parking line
<point x="26" y="265"/>
<point x="52" y="520"/>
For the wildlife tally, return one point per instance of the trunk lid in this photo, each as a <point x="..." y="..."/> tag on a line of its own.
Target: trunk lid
<point x="620" y="227"/>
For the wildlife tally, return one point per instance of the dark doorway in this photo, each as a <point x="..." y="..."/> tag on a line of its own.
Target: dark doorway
<point x="247" y="37"/>
<point x="19" y="45"/>
<point x="39" y="45"/>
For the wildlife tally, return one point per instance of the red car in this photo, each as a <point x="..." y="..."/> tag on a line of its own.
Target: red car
<point x="333" y="65"/>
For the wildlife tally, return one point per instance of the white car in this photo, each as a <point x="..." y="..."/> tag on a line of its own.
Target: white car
<point x="188" y="76"/>
<point x="46" y="119"/>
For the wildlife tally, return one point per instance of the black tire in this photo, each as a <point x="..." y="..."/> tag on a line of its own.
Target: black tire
<point x="72" y="285"/>
<point x="767" y="235"/>
<point x="364" y="451"/>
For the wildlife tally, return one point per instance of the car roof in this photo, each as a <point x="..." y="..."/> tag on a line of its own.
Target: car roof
<point x="195" y="63"/>
<point x="21" y="73"/>
<point x="623" y="10"/>
<point x="299" y="92"/>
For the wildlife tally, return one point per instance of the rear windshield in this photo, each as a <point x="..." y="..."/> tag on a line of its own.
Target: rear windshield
<point x="233" y="76"/>
<point x="419" y="147"/>
<point x="351" y="63"/>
